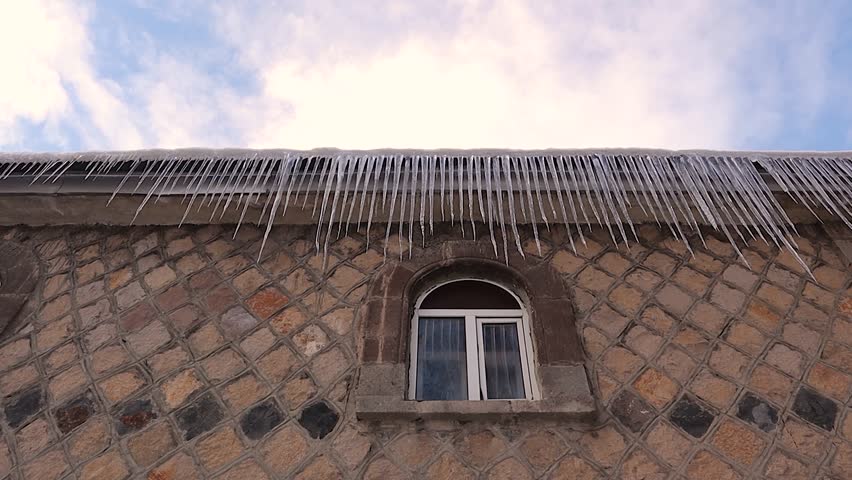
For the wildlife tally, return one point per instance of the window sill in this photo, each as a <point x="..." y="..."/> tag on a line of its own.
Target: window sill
<point x="394" y="408"/>
<point x="381" y="397"/>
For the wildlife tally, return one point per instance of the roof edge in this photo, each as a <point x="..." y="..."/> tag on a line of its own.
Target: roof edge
<point x="199" y="153"/>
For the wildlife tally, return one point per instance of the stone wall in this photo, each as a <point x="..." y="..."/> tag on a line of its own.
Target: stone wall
<point x="168" y="353"/>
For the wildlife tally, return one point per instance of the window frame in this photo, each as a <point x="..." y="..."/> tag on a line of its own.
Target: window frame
<point x="475" y="359"/>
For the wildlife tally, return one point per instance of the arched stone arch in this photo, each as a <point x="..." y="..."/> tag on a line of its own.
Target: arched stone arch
<point x="385" y="323"/>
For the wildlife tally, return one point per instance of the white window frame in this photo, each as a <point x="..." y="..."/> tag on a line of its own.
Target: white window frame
<point x="473" y="321"/>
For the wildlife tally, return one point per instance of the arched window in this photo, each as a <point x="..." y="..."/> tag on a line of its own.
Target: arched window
<point x="470" y="340"/>
<point x="470" y="309"/>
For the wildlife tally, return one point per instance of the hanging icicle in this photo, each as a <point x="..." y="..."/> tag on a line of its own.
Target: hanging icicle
<point x="731" y="192"/>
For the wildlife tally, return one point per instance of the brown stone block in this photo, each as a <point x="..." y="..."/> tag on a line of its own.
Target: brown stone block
<point x="220" y="299"/>
<point x="137" y="317"/>
<point x="202" y="282"/>
<point x="605" y="446"/>
<point x="738" y="442"/>
<point x="266" y="302"/>
<point x="172" y="298"/>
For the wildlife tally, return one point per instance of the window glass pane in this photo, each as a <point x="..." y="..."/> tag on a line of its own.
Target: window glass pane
<point x="470" y="294"/>
<point x="441" y="359"/>
<point x="503" y="375"/>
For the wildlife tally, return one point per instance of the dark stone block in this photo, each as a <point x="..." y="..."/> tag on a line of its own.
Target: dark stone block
<point x="756" y="411"/>
<point x="74" y="413"/>
<point x="134" y="416"/>
<point x="691" y="417"/>
<point x="318" y="419"/>
<point x="23" y="406"/>
<point x="815" y="408"/>
<point x="261" y="419"/>
<point x="10" y="305"/>
<point x="558" y="340"/>
<point x="390" y="350"/>
<point x="199" y="417"/>
<point x="370" y="352"/>
<point x="20" y="268"/>
<point x="632" y="411"/>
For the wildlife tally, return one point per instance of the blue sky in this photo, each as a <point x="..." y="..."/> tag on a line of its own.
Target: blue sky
<point x="726" y="74"/>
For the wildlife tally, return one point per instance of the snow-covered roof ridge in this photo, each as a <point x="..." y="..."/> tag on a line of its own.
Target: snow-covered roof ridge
<point x="280" y="153"/>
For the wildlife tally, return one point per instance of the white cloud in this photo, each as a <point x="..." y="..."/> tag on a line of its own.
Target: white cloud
<point x="444" y="73"/>
<point x="31" y="84"/>
<point x="48" y="78"/>
<point x="183" y="106"/>
<point x="507" y="74"/>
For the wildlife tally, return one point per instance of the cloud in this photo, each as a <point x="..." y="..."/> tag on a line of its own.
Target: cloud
<point x="521" y="74"/>
<point x="185" y="106"/>
<point x="444" y="73"/>
<point x="48" y="78"/>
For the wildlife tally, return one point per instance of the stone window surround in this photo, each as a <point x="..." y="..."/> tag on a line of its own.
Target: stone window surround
<point x="385" y="322"/>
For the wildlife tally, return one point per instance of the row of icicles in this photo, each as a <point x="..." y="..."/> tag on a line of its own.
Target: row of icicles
<point x="502" y="191"/>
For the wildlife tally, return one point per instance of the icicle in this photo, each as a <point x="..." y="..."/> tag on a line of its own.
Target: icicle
<point x="498" y="194"/>
<point x="229" y="186"/>
<point x="415" y="161"/>
<point x="460" y="163"/>
<point x="534" y="173"/>
<point x="370" y="163"/>
<point x="591" y="169"/>
<point x="149" y="194"/>
<point x="342" y="180"/>
<point x="396" y="172"/>
<point x="560" y="185"/>
<point x="724" y="191"/>
<point x="515" y="184"/>
<point x="451" y="189"/>
<point x="489" y="204"/>
<point x="424" y="193"/>
<point x="242" y="175"/>
<point x="123" y="181"/>
<point x="430" y="191"/>
<point x="376" y="171"/>
<point x="346" y="174"/>
<point x="510" y="194"/>
<point x="280" y="186"/>
<point x="574" y="189"/>
<point x="528" y="188"/>
<point x="661" y="196"/>
<point x="470" y="181"/>
<point x="263" y="172"/>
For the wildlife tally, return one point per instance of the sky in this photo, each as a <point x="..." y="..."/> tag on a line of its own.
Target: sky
<point x="714" y="74"/>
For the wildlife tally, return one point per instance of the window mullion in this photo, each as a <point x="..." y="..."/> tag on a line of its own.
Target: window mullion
<point x="480" y="349"/>
<point x="412" y="368"/>
<point x="472" y="357"/>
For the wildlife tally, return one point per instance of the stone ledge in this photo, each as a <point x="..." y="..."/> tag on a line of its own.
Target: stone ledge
<point x="381" y="395"/>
